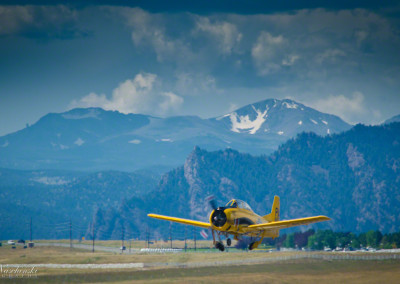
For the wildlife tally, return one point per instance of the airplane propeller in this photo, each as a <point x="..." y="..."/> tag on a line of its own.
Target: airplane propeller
<point x="213" y="203"/>
<point x="218" y="216"/>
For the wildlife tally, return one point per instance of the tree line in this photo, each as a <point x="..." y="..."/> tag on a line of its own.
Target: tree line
<point x="321" y="239"/>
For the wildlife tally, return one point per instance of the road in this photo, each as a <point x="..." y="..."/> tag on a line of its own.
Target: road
<point x="89" y="247"/>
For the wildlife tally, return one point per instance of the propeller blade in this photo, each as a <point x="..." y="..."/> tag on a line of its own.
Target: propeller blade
<point x="213" y="203"/>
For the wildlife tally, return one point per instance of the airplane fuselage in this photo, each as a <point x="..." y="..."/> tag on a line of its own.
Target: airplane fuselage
<point x="235" y="221"/>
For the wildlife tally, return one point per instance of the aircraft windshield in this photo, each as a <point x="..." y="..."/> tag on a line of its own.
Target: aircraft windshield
<point x="236" y="203"/>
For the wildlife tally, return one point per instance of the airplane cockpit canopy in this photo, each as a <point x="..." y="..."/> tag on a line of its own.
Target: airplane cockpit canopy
<point x="237" y="203"/>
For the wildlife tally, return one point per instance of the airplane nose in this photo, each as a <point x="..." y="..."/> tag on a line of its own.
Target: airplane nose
<point x="219" y="217"/>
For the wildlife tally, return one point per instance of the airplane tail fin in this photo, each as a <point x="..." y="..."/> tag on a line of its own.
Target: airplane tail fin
<point x="275" y="211"/>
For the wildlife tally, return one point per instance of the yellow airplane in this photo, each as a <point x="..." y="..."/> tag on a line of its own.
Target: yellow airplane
<point x="237" y="218"/>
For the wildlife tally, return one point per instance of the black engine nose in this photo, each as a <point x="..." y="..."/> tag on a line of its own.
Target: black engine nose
<point x="218" y="217"/>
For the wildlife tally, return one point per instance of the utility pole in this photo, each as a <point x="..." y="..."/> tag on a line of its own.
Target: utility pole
<point x="194" y="237"/>
<point x="93" y="236"/>
<point x="122" y="237"/>
<point x="30" y="230"/>
<point x="185" y="238"/>
<point x="147" y="237"/>
<point x="70" y="233"/>
<point x="170" y="233"/>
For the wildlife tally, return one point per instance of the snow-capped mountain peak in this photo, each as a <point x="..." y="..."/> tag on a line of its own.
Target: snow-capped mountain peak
<point x="96" y="139"/>
<point x="281" y="117"/>
<point x="240" y="122"/>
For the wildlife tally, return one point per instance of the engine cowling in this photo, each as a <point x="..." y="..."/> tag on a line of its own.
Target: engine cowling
<point x="218" y="217"/>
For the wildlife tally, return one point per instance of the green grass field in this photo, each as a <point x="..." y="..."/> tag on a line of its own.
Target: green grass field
<point x="290" y="271"/>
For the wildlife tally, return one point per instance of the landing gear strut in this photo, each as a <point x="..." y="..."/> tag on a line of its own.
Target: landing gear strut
<point x="219" y="245"/>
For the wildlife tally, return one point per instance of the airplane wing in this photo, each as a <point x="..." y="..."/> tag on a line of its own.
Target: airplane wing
<point x="289" y="223"/>
<point x="180" y="220"/>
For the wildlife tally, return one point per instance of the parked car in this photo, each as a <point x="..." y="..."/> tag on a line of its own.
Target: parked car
<point x="11" y="242"/>
<point x="21" y="241"/>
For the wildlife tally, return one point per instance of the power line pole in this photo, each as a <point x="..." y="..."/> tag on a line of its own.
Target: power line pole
<point x="30" y="230"/>
<point x="185" y="238"/>
<point x="170" y="233"/>
<point x="70" y="233"/>
<point x="147" y="237"/>
<point x="122" y="237"/>
<point x="93" y="236"/>
<point x="194" y="237"/>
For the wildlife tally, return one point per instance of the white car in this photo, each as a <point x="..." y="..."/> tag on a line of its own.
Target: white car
<point x="11" y="242"/>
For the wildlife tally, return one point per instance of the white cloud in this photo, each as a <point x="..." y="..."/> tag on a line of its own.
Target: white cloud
<point x="170" y="102"/>
<point x="91" y="100"/>
<point x="350" y="109"/>
<point x="224" y="33"/>
<point x="79" y="141"/>
<point x="142" y="94"/>
<point x="149" y="30"/>
<point x="267" y="53"/>
<point x="135" y="141"/>
<point x="290" y="60"/>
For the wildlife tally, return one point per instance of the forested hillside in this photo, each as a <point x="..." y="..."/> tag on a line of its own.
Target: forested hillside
<point x="54" y="198"/>
<point x="352" y="177"/>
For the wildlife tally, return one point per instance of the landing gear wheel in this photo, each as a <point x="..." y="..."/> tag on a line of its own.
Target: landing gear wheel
<point x="228" y="242"/>
<point x="251" y="246"/>
<point x="220" y="246"/>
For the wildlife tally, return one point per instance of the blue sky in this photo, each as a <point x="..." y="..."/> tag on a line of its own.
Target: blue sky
<point x="198" y="59"/>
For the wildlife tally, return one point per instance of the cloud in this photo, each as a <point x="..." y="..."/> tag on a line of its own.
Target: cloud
<point x="141" y="94"/>
<point x="329" y="55"/>
<point x="269" y="53"/>
<point x="13" y="19"/>
<point x="290" y="60"/>
<point x="170" y="101"/>
<point x="350" y="109"/>
<point x="150" y="30"/>
<point x="224" y="33"/>
<point x="40" y="21"/>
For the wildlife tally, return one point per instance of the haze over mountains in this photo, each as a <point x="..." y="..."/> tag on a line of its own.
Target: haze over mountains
<point x="93" y="139"/>
<point x="352" y="176"/>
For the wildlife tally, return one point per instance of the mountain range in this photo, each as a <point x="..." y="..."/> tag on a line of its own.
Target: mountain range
<point x="93" y="139"/>
<point x="68" y="166"/>
<point x="352" y="177"/>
